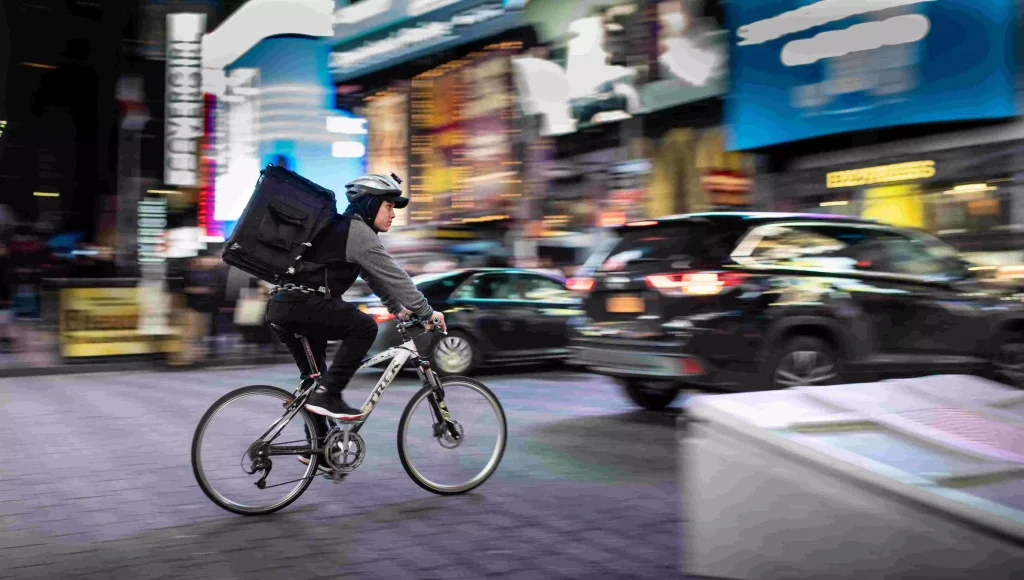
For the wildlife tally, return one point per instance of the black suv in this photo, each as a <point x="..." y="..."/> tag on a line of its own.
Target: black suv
<point x="758" y="301"/>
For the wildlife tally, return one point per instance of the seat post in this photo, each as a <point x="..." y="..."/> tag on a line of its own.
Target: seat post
<point x="309" y="356"/>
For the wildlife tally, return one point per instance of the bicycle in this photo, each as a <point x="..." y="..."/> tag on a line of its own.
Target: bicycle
<point x="341" y="449"/>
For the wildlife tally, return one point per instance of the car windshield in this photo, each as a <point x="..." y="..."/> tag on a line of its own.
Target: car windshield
<point x="424" y="278"/>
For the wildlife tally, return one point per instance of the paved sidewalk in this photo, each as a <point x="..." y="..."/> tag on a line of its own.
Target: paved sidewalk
<point x="95" y="482"/>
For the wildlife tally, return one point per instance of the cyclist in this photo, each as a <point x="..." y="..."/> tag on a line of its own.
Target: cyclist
<point x="309" y="302"/>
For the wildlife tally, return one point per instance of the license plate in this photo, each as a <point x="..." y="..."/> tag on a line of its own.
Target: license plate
<point x="625" y="304"/>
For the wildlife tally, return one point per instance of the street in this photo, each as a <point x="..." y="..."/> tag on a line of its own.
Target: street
<point x="97" y="483"/>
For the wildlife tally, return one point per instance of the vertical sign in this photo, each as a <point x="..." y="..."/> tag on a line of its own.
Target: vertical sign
<point x="208" y="171"/>
<point x="184" y="114"/>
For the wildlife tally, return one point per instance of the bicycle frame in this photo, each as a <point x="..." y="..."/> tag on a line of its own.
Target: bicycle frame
<point x="398" y="355"/>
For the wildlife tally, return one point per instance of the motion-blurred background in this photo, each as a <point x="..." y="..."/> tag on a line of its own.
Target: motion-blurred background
<point x="132" y="134"/>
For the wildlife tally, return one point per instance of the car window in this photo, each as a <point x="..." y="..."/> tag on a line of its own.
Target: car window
<point x="489" y="287"/>
<point x="672" y="241"/>
<point x="847" y="248"/>
<point x="798" y="247"/>
<point x="903" y="255"/>
<point x="545" y="289"/>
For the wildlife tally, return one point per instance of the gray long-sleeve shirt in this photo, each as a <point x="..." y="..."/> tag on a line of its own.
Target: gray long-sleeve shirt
<point x="384" y="277"/>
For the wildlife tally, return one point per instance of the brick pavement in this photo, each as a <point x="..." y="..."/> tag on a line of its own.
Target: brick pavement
<point x="95" y="482"/>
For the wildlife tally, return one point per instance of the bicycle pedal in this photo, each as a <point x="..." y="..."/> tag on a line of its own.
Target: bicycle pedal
<point x="335" y="476"/>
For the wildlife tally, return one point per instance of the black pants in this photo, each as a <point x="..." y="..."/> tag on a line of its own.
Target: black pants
<point x="320" y="319"/>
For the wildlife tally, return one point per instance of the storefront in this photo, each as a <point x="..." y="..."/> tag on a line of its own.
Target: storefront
<point x="638" y="128"/>
<point x="859" y="133"/>
<point x="537" y="124"/>
<point x="434" y="82"/>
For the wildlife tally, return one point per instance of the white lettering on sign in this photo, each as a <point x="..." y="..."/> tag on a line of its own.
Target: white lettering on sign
<point x="184" y="98"/>
<point x="348" y="150"/>
<point x="418" y="7"/>
<point x="152" y="229"/>
<point x="431" y="32"/>
<point x="346" y="125"/>
<point x="812" y="16"/>
<point x="360" y="11"/>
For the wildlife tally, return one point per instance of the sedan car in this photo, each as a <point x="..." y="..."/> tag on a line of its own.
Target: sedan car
<point x="757" y="301"/>
<point x="495" y="316"/>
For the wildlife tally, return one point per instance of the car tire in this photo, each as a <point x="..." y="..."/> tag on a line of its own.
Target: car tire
<point x="651" y="395"/>
<point x="802" y="361"/>
<point x="455" y="355"/>
<point x="1008" y="360"/>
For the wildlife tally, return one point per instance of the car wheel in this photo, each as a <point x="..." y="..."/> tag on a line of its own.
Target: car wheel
<point x="455" y="355"/>
<point x="1008" y="362"/>
<point x="804" y="361"/>
<point x="651" y="395"/>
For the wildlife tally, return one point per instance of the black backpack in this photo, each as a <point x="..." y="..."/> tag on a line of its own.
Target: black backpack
<point x="285" y="213"/>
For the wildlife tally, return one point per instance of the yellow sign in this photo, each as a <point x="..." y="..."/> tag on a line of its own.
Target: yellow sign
<point x="104" y="322"/>
<point x="898" y="205"/>
<point x="910" y="171"/>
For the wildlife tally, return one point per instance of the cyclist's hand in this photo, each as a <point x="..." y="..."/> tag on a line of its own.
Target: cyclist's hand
<point x="437" y="321"/>
<point x="404" y="315"/>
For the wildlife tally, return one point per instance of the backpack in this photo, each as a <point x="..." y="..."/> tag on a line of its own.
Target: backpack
<point x="285" y="213"/>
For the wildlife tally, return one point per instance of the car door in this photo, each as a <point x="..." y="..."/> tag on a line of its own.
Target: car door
<point x="943" y="311"/>
<point x="491" y="304"/>
<point x="550" y="305"/>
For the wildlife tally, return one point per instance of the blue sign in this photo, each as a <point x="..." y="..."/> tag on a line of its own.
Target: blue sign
<point x="802" y="69"/>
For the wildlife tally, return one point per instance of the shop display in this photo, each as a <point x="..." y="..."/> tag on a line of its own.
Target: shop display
<point x="464" y="131"/>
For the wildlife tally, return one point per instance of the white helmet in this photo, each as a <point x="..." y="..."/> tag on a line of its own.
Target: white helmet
<point x="376" y="184"/>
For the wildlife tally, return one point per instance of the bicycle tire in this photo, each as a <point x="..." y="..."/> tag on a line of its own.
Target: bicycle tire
<point x="197" y="439"/>
<point x="484" y="475"/>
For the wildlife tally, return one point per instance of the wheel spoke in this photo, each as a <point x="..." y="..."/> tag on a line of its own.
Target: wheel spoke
<point x="228" y="432"/>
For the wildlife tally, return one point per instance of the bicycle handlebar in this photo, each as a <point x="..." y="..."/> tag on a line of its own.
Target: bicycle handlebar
<point x="415" y="322"/>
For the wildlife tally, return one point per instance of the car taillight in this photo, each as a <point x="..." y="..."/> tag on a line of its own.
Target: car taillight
<point x="580" y="284"/>
<point x="379" y="314"/>
<point x="694" y="283"/>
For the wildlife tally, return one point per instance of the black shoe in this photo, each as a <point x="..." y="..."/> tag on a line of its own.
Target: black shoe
<point x="322" y="403"/>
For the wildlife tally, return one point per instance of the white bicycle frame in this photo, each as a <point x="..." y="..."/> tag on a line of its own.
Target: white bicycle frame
<point x="398" y="355"/>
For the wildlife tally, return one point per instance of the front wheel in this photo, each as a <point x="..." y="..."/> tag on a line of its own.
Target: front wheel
<point x="440" y="462"/>
<point x="455" y="355"/>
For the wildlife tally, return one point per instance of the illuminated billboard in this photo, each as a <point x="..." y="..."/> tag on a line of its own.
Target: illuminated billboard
<point x="800" y="70"/>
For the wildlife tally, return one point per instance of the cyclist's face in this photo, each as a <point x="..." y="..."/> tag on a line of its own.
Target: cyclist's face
<point x="385" y="215"/>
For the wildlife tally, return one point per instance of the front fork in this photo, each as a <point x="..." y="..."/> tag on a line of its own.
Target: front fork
<point x="442" y="418"/>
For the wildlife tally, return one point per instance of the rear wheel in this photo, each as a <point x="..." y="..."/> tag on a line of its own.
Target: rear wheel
<point x="229" y="457"/>
<point x="803" y="361"/>
<point x="651" y="395"/>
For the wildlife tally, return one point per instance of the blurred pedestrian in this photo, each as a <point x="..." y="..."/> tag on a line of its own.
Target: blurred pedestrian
<point x="203" y="286"/>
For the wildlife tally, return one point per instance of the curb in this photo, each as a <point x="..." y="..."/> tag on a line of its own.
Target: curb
<point x="152" y="365"/>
